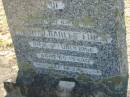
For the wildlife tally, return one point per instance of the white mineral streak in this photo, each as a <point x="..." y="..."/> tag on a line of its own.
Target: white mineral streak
<point x="65" y="88"/>
<point x="61" y="57"/>
<point x="68" y="68"/>
<point x="68" y="35"/>
<point x="62" y="46"/>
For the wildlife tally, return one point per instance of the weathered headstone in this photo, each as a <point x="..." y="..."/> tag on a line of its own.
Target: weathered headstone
<point x="69" y="46"/>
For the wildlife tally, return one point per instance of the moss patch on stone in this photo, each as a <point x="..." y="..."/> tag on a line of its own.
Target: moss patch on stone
<point x="88" y="21"/>
<point x="83" y="78"/>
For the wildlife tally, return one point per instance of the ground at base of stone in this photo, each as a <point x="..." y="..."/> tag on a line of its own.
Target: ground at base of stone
<point x="16" y="93"/>
<point x="48" y="87"/>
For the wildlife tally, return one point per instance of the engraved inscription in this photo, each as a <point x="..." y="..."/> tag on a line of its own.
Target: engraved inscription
<point x="69" y="35"/>
<point x="65" y="22"/>
<point x="55" y="5"/>
<point x="68" y="68"/>
<point x="60" y="46"/>
<point x="61" y="57"/>
<point x="62" y="22"/>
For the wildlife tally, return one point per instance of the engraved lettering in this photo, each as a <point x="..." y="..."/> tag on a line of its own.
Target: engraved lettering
<point x="59" y="46"/>
<point x="55" y="5"/>
<point x="69" y="35"/>
<point x="68" y="68"/>
<point x="61" y="57"/>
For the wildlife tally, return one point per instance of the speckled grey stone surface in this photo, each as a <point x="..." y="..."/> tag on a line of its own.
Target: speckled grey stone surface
<point x="79" y="39"/>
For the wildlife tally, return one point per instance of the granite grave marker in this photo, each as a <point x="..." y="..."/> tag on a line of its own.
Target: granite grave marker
<point x="77" y="41"/>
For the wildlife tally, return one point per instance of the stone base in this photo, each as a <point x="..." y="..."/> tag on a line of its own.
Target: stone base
<point x="45" y="86"/>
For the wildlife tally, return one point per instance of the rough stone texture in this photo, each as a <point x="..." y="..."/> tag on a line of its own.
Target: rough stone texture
<point x="7" y="68"/>
<point x="113" y="50"/>
<point x="127" y="21"/>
